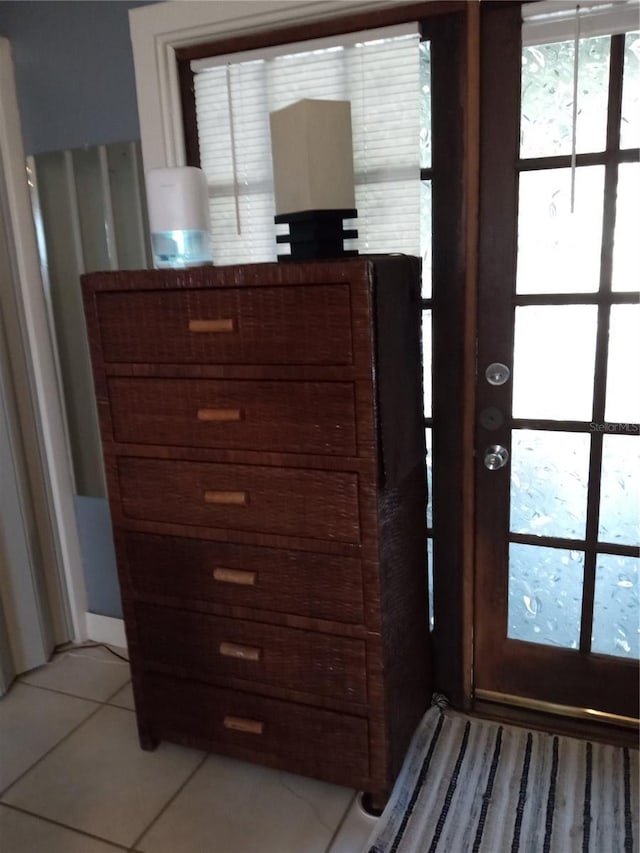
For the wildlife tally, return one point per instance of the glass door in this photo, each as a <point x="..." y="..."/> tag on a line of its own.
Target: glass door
<point x="558" y="435"/>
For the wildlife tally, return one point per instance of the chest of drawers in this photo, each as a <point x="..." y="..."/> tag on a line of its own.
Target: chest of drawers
<point x="264" y="448"/>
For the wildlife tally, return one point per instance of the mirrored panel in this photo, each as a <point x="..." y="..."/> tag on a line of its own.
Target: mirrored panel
<point x="545" y="595"/>
<point x="549" y="479"/>
<point x="623" y="366"/>
<point x="620" y="490"/>
<point x="616" y="607"/>
<point x="626" y="254"/>
<point x="546" y="125"/>
<point x="553" y="363"/>
<point x="630" y="119"/>
<point x="559" y="249"/>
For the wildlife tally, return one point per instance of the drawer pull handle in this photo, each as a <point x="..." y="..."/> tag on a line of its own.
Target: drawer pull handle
<point x="237" y="576"/>
<point x="226" y="325"/>
<point x="219" y="415"/>
<point x="228" y="498"/>
<point x="242" y="724"/>
<point x="234" y="650"/>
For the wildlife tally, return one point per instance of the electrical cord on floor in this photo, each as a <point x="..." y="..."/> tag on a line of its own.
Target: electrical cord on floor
<point x="68" y="647"/>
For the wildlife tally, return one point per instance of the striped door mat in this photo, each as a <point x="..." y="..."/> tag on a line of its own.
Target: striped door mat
<point x="474" y="786"/>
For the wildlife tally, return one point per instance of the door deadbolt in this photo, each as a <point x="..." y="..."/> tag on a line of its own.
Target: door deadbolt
<point x="497" y="373"/>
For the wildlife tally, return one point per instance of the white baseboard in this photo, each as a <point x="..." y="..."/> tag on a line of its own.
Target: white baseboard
<point x="106" y="629"/>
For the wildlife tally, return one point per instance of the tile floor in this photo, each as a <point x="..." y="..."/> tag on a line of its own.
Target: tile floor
<point x="74" y="780"/>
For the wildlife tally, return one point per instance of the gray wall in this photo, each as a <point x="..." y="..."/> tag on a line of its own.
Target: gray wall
<point x="74" y="72"/>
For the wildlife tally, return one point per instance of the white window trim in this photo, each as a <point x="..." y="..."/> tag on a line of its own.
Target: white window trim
<point x="159" y="29"/>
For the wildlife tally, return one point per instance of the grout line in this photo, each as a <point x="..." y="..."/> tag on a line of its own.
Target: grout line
<point x="342" y="822"/>
<point x="64" y="693"/>
<point x="169" y="802"/>
<point x="48" y="752"/>
<point x="24" y="811"/>
<point x="109" y="698"/>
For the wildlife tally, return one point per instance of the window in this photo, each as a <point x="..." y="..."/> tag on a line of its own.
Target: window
<point x="378" y="72"/>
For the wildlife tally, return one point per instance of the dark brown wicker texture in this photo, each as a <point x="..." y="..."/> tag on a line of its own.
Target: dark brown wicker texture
<point x="264" y="448"/>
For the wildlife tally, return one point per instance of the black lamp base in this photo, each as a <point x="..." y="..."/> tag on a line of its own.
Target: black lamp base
<point x="316" y="234"/>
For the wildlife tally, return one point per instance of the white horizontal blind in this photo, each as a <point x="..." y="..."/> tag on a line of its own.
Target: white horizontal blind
<point x="555" y="20"/>
<point x="377" y="72"/>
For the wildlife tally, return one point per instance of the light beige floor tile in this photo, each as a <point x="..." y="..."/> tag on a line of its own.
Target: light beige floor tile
<point x="100" y="781"/>
<point x="22" y="833"/>
<point x="124" y="698"/>
<point x="355" y="831"/>
<point x="233" y="807"/>
<point x="92" y="673"/>
<point x="31" y="722"/>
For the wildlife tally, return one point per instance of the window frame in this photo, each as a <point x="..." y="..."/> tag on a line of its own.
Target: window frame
<point x="165" y="34"/>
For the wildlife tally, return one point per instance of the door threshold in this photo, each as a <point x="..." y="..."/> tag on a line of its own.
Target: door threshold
<point x="563" y="719"/>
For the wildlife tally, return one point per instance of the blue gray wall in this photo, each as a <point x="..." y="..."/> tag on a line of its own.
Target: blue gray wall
<point x="74" y="72"/>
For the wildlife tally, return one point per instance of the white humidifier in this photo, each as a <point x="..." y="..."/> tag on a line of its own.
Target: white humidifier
<point x="178" y="204"/>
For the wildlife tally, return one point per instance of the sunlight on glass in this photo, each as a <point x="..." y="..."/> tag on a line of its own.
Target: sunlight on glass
<point x="425" y="105"/>
<point x="545" y="595"/>
<point x="630" y="123"/>
<point x="426" y="251"/>
<point x="429" y="442"/>
<point x="547" y="97"/>
<point x="623" y="368"/>
<point x="549" y="479"/>
<point x="426" y="362"/>
<point x="616" y="607"/>
<point x="626" y="247"/>
<point x="559" y="251"/>
<point x="553" y="361"/>
<point x="620" y="490"/>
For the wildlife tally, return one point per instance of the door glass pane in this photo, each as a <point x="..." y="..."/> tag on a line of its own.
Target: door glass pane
<point x="430" y="573"/>
<point x="626" y="253"/>
<point x="630" y="124"/>
<point x="549" y="478"/>
<point x="545" y="595"/>
<point x="547" y="97"/>
<point x="620" y="490"/>
<point x="623" y="368"/>
<point x="426" y="251"/>
<point x="553" y="361"/>
<point x="559" y="251"/>
<point x="426" y="361"/>
<point x="429" y="442"/>
<point x="425" y="105"/>
<point x="616" y="630"/>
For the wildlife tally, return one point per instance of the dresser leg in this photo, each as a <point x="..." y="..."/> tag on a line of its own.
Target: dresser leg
<point x="373" y="804"/>
<point x="147" y="741"/>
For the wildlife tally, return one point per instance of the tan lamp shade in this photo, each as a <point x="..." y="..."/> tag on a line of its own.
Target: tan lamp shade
<point x="312" y="152"/>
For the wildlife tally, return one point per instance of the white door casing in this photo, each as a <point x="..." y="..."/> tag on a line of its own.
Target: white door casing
<point x="40" y="407"/>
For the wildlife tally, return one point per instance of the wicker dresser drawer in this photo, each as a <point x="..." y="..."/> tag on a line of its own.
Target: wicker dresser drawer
<point x="217" y="650"/>
<point x="285" y="501"/>
<point x="295" y="417"/>
<point x="321" y="586"/>
<point x="252" y="325"/>
<point x="314" y="741"/>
